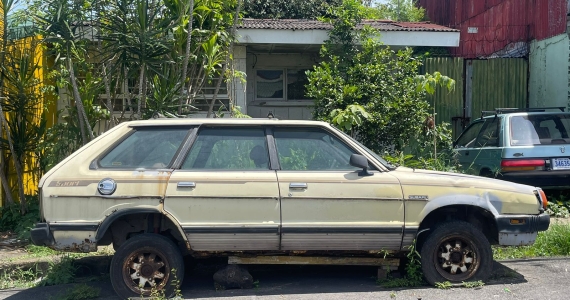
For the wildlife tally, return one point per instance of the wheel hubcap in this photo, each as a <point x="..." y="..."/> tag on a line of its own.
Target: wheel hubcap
<point x="144" y="271"/>
<point x="456" y="259"/>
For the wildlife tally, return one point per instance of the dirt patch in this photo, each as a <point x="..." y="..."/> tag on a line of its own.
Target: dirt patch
<point x="10" y="246"/>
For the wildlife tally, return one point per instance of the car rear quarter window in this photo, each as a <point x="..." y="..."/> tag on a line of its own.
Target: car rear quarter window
<point x="489" y="134"/>
<point x="229" y="149"/>
<point x="145" y="148"/>
<point x="539" y="129"/>
<point x="467" y="139"/>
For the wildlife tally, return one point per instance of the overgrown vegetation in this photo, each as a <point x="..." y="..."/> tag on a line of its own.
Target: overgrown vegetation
<point x="12" y="220"/>
<point x="376" y="94"/>
<point x="60" y="271"/>
<point x="396" y="10"/>
<point x="287" y="9"/>
<point x="558" y="203"/>
<point x="553" y="242"/>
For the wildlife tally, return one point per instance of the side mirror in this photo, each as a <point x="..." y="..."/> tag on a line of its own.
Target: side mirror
<point x="359" y="161"/>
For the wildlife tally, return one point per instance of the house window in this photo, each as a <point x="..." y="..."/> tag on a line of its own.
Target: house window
<point x="281" y="84"/>
<point x="270" y="84"/>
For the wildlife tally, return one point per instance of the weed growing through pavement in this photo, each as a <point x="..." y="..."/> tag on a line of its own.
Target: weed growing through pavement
<point x="156" y="294"/>
<point x="61" y="272"/>
<point x="472" y="284"/>
<point x="414" y="275"/>
<point x="443" y="285"/>
<point x="19" y="278"/>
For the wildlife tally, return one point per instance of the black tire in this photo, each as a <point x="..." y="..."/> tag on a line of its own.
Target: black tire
<point x="150" y="257"/>
<point x="456" y="246"/>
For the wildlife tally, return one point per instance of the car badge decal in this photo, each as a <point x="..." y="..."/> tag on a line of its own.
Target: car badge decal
<point x="518" y="154"/>
<point x="562" y="149"/>
<point x="107" y="186"/>
<point x="418" y="197"/>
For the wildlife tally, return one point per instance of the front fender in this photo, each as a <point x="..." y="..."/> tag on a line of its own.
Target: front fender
<point x="486" y="201"/>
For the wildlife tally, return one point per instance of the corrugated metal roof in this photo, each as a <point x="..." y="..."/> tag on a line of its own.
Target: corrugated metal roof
<point x="297" y="24"/>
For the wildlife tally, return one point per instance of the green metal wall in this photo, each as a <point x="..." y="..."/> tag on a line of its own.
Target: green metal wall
<point x="480" y="85"/>
<point x="501" y="82"/>
<point x="447" y="104"/>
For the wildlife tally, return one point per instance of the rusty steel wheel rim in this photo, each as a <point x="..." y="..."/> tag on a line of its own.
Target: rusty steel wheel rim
<point x="456" y="258"/>
<point x="145" y="271"/>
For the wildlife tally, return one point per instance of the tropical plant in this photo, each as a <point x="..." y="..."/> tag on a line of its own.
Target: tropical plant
<point x="287" y="9"/>
<point x="358" y="70"/>
<point x="63" y="28"/>
<point x="400" y="10"/>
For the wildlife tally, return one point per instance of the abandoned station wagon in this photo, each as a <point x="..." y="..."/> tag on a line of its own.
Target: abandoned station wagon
<point x="160" y="189"/>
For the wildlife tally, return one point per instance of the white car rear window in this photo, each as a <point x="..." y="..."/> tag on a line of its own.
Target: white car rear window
<point x="540" y="129"/>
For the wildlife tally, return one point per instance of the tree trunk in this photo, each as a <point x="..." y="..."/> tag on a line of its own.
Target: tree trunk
<point x="110" y="107"/>
<point x="141" y="92"/>
<point x="185" y="61"/>
<point x="5" y="185"/>
<point x="81" y="115"/>
<point x="17" y="163"/>
<point x="225" y="66"/>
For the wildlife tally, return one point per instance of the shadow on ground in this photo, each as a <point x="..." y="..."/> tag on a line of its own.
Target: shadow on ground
<point x="270" y="280"/>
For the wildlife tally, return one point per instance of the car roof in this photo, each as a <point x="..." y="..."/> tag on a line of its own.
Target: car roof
<point x="527" y="114"/>
<point x="222" y="121"/>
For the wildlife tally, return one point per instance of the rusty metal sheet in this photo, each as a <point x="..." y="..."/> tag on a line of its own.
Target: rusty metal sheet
<point x="315" y="260"/>
<point x="488" y="26"/>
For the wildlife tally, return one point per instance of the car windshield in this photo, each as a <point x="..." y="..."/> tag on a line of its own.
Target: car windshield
<point x="380" y="159"/>
<point x="540" y="129"/>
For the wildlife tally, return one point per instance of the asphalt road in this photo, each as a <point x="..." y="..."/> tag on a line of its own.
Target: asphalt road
<point x="521" y="279"/>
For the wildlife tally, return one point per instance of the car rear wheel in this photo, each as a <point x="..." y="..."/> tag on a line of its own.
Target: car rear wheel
<point x="144" y="264"/>
<point x="456" y="252"/>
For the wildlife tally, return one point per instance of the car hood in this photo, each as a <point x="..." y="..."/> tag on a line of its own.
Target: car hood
<point x="409" y="176"/>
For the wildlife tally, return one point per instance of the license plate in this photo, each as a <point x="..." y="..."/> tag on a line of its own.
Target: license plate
<point x="561" y="164"/>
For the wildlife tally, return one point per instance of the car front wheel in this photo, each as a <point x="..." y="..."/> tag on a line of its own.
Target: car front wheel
<point x="144" y="264"/>
<point x="456" y="252"/>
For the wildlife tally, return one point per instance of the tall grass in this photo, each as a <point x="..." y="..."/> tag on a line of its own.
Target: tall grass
<point x="553" y="242"/>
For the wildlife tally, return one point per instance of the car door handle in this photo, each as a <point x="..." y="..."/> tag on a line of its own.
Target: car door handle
<point x="186" y="184"/>
<point x="466" y="153"/>
<point x="297" y="185"/>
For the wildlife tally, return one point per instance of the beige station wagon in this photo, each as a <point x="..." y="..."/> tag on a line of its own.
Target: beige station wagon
<point x="161" y="189"/>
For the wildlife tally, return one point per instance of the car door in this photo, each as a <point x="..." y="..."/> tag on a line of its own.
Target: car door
<point x="466" y="148"/>
<point x="224" y="195"/>
<point x="325" y="203"/>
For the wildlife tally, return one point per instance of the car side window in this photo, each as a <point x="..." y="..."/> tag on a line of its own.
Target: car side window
<point x="467" y="139"/>
<point x="489" y="134"/>
<point x="311" y="149"/>
<point x="148" y="148"/>
<point x="229" y="149"/>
